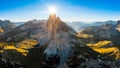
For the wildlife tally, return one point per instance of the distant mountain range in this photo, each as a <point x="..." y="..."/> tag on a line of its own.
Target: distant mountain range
<point x="107" y="31"/>
<point x="78" y="26"/>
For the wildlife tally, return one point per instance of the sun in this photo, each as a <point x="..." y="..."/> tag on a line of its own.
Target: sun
<point x="52" y="9"/>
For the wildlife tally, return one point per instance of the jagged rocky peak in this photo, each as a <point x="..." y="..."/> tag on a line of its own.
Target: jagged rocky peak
<point x="55" y="23"/>
<point x="51" y="22"/>
<point x="54" y="18"/>
<point x="59" y="38"/>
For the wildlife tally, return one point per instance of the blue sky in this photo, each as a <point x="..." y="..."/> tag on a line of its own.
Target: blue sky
<point x="68" y="10"/>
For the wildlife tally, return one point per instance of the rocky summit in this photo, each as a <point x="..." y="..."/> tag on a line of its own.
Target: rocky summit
<point x="58" y="39"/>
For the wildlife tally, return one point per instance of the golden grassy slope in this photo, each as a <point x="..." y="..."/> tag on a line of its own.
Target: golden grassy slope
<point x="12" y="47"/>
<point x="20" y="47"/>
<point x="100" y="44"/>
<point x="105" y="47"/>
<point x="27" y="44"/>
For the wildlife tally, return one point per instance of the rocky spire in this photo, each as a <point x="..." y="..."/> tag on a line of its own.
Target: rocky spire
<point x="59" y="38"/>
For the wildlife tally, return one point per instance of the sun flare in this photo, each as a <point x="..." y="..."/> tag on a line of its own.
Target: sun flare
<point x="52" y="10"/>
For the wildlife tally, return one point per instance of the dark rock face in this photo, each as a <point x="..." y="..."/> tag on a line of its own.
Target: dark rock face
<point x="10" y="61"/>
<point x="2" y="64"/>
<point x="34" y="59"/>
